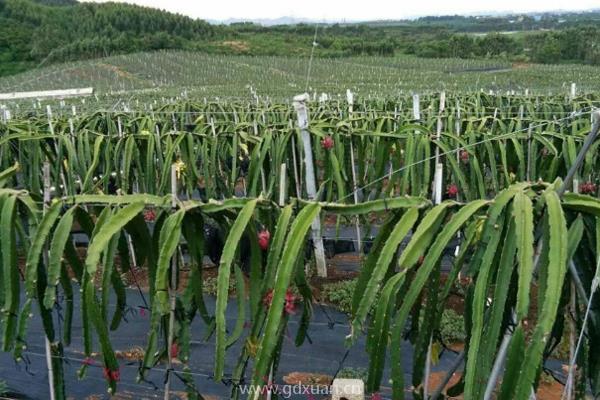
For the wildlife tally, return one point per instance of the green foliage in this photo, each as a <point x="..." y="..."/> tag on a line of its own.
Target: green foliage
<point x="209" y="286"/>
<point x="452" y="327"/>
<point x="352" y="373"/>
<point x="227" y="76"/>
<point x="339" y="294"/>
<point x="497" y="223"/>
<point x="38" y="32"/>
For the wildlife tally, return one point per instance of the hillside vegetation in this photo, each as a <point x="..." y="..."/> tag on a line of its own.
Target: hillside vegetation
<point x="42" y="32"/>
<point x="32" y="33"/>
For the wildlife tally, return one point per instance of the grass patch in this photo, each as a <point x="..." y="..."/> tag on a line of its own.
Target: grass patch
<point x="339" y="294"/>
<point x="353" y="373"/>
<point x="452" y="327"/>
<point x="209" y="286"/>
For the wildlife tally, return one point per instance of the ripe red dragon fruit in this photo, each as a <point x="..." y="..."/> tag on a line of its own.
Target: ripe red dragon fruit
<point x="464" y="156"/>
<point x="264" y="237"/>
<point x="108" y="374"/>
<point x="452" y="190"/>
<point x="88" y="361"/>
<point x="174" y="350"/>
<point x="268" y="299"/>
<point x="327" y="143"/>
<point x="290" y="302"/>
<point x="115" y="376"/>
<point x="149" y="215"/>
<point x="587" y="188"/>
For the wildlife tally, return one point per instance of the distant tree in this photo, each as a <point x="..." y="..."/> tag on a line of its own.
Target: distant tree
<point x="592" y="54"/>
<point x="461" y="46"/>
<point x="495" y="44"/>
<point x="549" y="51"/>
<point x="45" y="31"/>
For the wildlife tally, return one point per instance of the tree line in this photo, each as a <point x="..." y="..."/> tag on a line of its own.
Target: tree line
<point x="34" y="33"/>
<point x="572" y="45"/>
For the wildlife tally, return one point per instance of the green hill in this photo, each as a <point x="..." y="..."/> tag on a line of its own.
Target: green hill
<point x="37" y="33"/>
<point x="57" y="2"/>
<point x="34" y="33"/>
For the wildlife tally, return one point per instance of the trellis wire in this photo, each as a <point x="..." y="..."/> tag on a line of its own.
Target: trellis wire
<point x="498" y="137"/>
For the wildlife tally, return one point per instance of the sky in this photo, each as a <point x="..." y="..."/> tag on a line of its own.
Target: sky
<point x="353" y="10"/>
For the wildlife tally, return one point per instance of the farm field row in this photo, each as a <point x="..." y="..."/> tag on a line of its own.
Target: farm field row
<point x="171" y="73"/>
<point x="469" y="192"/>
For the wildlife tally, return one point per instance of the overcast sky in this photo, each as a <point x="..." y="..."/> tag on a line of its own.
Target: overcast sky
<point x="353" y="9"/>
